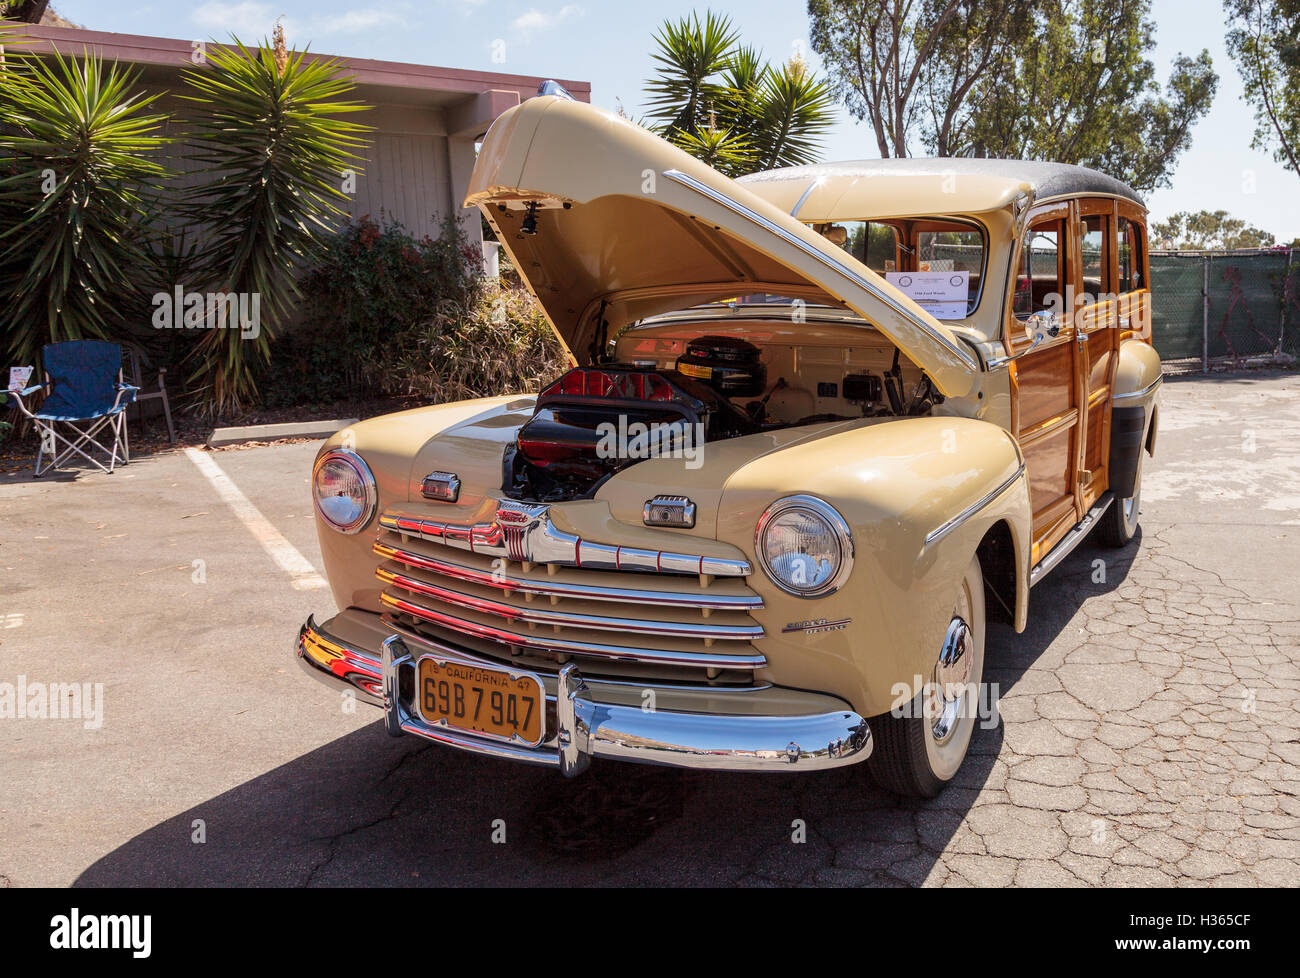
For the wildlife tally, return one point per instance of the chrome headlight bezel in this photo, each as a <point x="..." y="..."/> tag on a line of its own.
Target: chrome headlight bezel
<point x="369" y="504"/>
<point x="838" y="526"/>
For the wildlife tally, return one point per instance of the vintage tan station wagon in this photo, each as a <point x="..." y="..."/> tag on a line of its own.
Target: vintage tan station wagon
<point x="822" y="426"/>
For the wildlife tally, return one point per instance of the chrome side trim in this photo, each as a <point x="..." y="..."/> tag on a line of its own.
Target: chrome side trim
<point x="525" y="532"/>
<point x="1139" y="395"/>
<point x="563" y="619"/>
<point x="587" y="592"/>
<point x="1072" y="539"/>
<point x="553" y="643"/>
<point x="941" y="531"/>
<point x="803" y="197"/>
<point x="736" y="207"/>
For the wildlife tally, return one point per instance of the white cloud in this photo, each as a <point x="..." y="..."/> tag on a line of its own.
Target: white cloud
<point x="353" y="21"/>
<point x="248" y="20"/>
<point x="539" y="20"/>
<point x="252" y="21"/>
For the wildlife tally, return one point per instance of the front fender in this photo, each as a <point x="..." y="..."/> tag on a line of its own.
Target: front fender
<point x="920" y="495"/>
<point x="390" y="446"/>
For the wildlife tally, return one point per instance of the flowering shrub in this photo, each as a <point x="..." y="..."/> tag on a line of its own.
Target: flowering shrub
<point x="393" y="315"/>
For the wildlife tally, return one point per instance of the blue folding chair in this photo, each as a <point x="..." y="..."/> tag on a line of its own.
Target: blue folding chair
<point x="83" y="381"/>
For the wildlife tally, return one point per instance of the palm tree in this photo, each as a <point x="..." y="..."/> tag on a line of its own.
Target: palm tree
<point x="724" y="104"/>
<point x="274" y="152"/>
<point x="77" y="173"/>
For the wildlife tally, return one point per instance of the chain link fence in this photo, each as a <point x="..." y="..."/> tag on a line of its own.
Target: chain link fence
<point x="1233" y="308"/>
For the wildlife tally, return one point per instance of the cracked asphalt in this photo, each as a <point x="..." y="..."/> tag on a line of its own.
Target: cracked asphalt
<point x="1148" y="730"/>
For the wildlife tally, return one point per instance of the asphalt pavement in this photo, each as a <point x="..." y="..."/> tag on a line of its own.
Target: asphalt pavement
<point x="1148" y="734"/>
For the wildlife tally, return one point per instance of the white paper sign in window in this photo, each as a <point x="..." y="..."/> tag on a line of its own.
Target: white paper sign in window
<point x="941" y="294"/>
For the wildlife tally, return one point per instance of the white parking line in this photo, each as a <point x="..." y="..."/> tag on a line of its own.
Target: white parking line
<point x="303" y="575"/>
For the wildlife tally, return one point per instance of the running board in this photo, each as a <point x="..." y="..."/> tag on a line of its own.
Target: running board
<point x="1071" y="539"/>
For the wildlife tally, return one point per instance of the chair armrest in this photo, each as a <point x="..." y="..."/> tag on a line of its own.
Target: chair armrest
<point x="126" y="394"/>
<point x="19" y="395"/>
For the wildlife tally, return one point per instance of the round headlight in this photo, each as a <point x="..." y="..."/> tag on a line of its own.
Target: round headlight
<point x="805" y="546"/>
<point x="344" y="490"/>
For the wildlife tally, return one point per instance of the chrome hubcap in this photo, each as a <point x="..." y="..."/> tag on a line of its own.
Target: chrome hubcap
<point x="951" y="679"/>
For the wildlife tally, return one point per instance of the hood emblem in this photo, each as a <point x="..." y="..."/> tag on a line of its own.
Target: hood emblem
<point x="516" y="523"/>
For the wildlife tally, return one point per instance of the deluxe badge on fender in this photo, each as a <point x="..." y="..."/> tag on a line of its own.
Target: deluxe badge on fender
<point x="817" y="625"/>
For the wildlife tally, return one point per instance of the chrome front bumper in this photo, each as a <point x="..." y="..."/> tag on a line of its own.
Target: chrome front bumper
<point x="579" y="727"/>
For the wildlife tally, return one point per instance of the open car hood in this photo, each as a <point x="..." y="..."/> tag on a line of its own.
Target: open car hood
<point x="628" y="226"/>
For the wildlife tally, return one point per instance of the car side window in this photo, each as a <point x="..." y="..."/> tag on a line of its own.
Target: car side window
<point x="1130" y="256"/>
<point x="1038" y="280"/>
<point x="872" y="243"/>
<point x="1092" y="250"/>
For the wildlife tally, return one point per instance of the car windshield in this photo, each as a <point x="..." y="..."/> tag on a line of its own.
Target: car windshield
<point x="938" y="262"/>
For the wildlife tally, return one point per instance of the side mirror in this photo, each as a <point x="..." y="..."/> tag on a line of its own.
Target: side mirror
<point x="1040" y="327"/>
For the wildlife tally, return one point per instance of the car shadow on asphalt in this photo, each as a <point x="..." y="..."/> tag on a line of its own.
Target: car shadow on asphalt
<point x="367" y="809"/>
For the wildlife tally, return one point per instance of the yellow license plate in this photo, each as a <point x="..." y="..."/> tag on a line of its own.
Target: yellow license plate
<point x="493" y="703"/>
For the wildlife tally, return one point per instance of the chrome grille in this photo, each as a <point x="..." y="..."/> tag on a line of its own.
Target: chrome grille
<point x="656" y="625"/>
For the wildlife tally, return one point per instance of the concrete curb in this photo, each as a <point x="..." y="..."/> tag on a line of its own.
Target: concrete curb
<point x="221" y="437"/>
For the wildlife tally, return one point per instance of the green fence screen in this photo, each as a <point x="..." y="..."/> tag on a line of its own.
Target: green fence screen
<point x="1253" y="307"/>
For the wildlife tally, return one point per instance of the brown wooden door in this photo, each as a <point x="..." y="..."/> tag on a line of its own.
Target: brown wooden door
<point x="1097" y="321"/>
<point x="1047" y="388"/>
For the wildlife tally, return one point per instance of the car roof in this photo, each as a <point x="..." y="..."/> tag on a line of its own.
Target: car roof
<point x="861" y="188"/>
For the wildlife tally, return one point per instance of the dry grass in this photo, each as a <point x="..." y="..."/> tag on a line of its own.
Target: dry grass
<point x="497" y="342"/>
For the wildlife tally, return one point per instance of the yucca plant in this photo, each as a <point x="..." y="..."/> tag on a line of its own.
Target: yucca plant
<point x="725" y="105"/>
<point x="77" y="177"/>
<point x="273" y="148"/>
<point x="690" y="57"/>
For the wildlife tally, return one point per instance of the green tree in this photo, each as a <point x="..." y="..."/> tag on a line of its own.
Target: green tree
<point x="1064" y="80"/>
<point x="273" y="151"/>
<point x="1208" y="231"/>
<point x="905" y="63"/>
<point x="725" y="105"/>
<point x="1081" y="90"/>
<point x="1264" y="40"/>
<point x="76" y="178"/>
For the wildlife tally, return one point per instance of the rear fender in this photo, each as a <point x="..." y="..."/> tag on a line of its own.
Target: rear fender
<point x="1133" y="414"/>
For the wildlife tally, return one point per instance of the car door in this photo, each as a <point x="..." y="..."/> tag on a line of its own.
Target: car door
<point x="1047" y="407"/>
<point x="1096" y="333"/>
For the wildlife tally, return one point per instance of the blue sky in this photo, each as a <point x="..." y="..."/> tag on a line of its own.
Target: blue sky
<point x="608" y="44"/>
